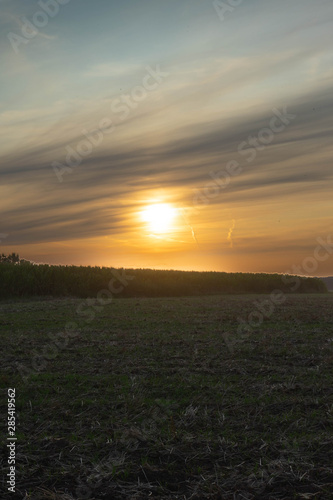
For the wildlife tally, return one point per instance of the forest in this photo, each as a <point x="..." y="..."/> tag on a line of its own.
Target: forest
<point x="22" y="278"/>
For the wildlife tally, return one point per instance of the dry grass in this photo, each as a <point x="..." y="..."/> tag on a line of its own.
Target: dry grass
<point x="148" y="402"/>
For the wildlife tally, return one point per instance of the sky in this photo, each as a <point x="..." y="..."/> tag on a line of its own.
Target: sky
<point x="173" y="134"/>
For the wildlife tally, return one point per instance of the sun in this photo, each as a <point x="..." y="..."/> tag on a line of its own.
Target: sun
<point x="159" y="217"/>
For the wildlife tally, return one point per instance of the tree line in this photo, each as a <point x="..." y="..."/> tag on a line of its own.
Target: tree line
<point x="21" y="278"/>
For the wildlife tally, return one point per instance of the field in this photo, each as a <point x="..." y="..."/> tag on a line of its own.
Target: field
<point x="146" y="399"/>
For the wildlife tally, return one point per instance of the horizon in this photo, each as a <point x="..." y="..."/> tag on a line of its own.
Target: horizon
<point x="170" y="269"/>
<point x="177" y="136"/>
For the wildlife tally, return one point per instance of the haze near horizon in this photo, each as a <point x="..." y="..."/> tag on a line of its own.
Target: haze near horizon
<point x="170" y="135"/>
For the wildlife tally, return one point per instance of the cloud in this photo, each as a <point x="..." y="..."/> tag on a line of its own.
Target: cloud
<point x="229" y="237"/>
<point x="113" y="69"/>
<point x="173" y="140"/>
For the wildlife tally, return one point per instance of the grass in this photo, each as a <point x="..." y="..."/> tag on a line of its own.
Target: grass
<point x="148" y="401"/>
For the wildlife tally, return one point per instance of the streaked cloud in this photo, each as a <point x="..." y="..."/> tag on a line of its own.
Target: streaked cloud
<point x="219" y="93"/>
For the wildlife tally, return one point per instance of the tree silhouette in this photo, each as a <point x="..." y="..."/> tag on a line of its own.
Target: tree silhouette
<point x="13" y="258"/>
